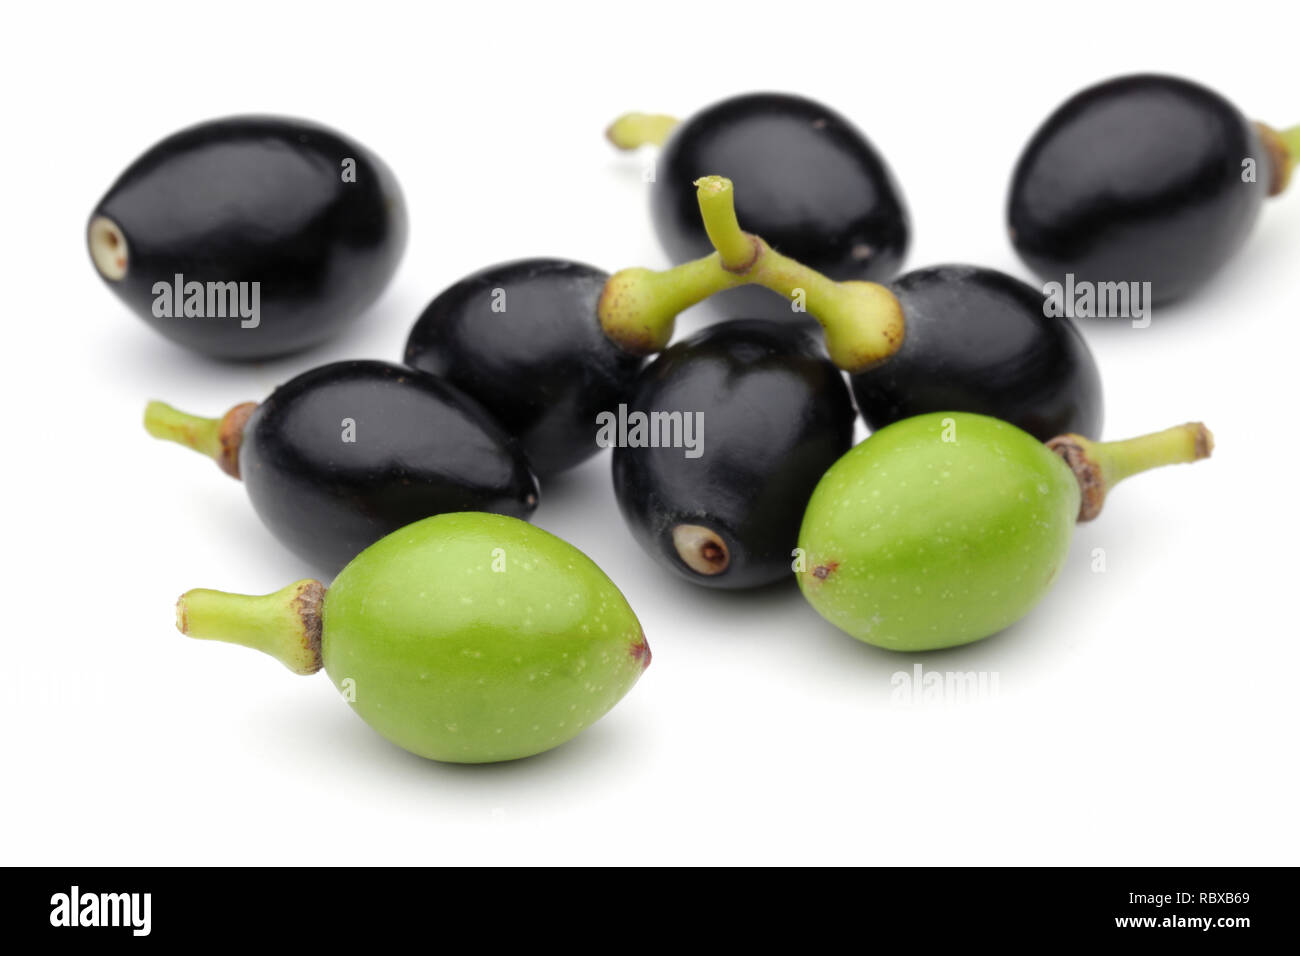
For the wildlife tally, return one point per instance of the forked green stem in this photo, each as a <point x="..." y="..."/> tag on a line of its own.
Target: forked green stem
<point x="640" y="129"/>
<point x="1100" y="466"/>
<point x="863" y="321"/>
<point x="218" y="438"/>
<point x="286" y="624"/>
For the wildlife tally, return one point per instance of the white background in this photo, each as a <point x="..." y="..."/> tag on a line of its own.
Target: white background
<point x="1144" y="715"/>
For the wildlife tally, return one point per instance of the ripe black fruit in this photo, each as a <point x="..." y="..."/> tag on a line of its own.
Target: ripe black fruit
<point x="978" y="341"/>
<point x="1143" y="179"/>
<point x="775" y="414"/>
<point x="300" y="225"/>
<point x="524" y="339"/>
<point x="807" y="181"/>
<point x="346" y="453"/>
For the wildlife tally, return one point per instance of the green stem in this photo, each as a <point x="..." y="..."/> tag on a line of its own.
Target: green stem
<point x="638" y="308"/>
<point x="640" y="129"/>
<point x="286" y="624"/>
<point x="1283" y="147"/>
<point x="1290" y="139"/>
<point x="737" y="250"/>
<point x="1100" y="466"/>
<point x="862" y="321"/>
<point x="171" y="424"/>
<point x="1179" y="445"/>
<point x="218" y="438"/>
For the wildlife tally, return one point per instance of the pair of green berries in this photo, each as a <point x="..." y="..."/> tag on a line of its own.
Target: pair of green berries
<point x="471" y="637"/>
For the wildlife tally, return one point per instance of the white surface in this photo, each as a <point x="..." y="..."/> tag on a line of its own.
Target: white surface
<point x="1144" y="715"/>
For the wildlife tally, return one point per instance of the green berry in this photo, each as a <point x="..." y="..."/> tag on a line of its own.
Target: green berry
<point x="945" y="528"/>
<point x="464" y="637"/>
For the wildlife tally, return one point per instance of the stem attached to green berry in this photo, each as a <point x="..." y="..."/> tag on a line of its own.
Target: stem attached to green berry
<point x="218" y="438"/>
<point x="640" y="129"/>
<point x="1100" y="466"/>
<point x="286" y="624"/>
<point x="863" y="321"/>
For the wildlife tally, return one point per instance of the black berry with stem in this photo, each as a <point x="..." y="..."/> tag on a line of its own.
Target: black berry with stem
<point x="525" y="339"/>
<point x="809" y="183"/>
<point x="1144" y="178"/>
<point x="766" y="413"/>
<point x="250" y="237"/>
<point x="343" y="454"/>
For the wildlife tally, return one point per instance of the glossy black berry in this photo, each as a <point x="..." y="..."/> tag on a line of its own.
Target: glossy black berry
<point x="765" y="414"/>
<point x="524" y="339"/>
<point x="980" y="341"/>
<point x="250" y="237"/>
<point x="346" y="453"/>
<point x="1140" y="179"/>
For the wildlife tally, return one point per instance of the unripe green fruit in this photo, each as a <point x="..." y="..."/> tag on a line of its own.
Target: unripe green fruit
<point x="456" y="661"/>
<point x="464" y="637"/>
<point x="946" y="528"/>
